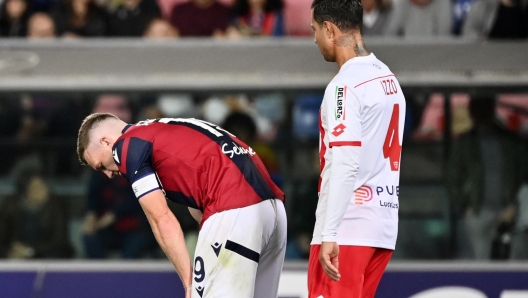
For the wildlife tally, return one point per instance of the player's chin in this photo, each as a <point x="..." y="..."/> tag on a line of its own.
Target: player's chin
<point x="329" y="58"/>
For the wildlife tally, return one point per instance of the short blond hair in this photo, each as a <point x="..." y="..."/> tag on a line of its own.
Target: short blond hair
<point x="87" y="126"/>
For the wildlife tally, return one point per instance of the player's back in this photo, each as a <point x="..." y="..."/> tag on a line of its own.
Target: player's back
<point x="382" y="119"/>
<point x="364" y="106"/>
<point x="202" y="166"/>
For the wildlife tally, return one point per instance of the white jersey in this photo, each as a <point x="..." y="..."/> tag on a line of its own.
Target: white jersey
<point x="361" y="131"/>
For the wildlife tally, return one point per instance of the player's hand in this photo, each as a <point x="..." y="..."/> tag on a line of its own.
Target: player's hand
<point x="329" y="261"/>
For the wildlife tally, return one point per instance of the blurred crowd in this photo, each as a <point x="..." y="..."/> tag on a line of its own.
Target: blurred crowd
<point x="485" y="174"/>
<point x="169" y="19"/>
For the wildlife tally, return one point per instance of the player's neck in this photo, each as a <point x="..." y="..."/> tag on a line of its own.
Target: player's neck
<point x="120" y="126"/>
<point x="349" y="47"/>
<point x="114" y="128"/>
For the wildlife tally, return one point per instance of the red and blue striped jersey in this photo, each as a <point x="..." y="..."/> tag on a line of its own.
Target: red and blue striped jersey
<point x="195" y="163"/>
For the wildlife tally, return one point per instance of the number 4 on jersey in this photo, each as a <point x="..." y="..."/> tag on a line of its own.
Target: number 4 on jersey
<point x="392" y="147"/>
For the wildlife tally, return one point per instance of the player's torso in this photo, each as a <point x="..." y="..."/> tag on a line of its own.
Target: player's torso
<point x="202" y="166"/>
<point x="382" y="110"/>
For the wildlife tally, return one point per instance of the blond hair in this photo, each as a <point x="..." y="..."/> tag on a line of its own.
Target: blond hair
<point x="87" y="126"/>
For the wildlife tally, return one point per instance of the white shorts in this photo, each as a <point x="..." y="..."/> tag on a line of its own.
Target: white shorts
<point x="240" y="252"/>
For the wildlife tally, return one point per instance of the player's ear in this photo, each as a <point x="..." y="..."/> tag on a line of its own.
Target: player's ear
<point x="329" y="29"/>
<point x="326" y="29"/>
<point x="106" y="142"/>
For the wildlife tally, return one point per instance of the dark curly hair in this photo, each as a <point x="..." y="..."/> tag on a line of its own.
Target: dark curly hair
<point x="345" y="14"/>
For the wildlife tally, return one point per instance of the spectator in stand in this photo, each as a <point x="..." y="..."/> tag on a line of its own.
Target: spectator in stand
<point x="376" y="16"/>
<point x="131" y="17"/>
<point x="33" y="223"/>
<point x="421" y="18"/>
<point x="461" y="9"/>
<point x="41" y="25"/>
<point x="497" y="19"/>
<point x="79" y="18"/>
<point x="519" y="243"/>
<point x="259" y="17"/>
<point x="243" y="126"/>
<point x="35" y="111"/>
<point x="201" y="18"/>
<point x="114" y="219"/>
<point x="484" y="174"/>
<point x="14" y="15"/>
<point x="158" y="28"/>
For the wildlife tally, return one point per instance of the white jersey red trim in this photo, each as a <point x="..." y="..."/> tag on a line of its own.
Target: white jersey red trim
<point x="361" y="130"/>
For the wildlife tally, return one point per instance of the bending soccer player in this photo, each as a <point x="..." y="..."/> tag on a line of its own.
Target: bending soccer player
<point x="361" y="130"/>
<point x="242" y="241"/>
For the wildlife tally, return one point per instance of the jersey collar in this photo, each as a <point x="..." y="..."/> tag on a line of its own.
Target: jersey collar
<point x="126" y="128"/>
<point x="359" y="59"/>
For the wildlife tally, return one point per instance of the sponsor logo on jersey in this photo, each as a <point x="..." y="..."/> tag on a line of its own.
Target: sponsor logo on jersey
<point x="340" y="95"/>
<point x="365" y="194"/>
<point x="389" y="205"/>
<point x="200" y="290"/>
<point x="338" y="130"/>
<point x="362" y="195"/>
<point x="217" y="247"/>
<point x="391" y="190"/>
<point x="236" y="150"/>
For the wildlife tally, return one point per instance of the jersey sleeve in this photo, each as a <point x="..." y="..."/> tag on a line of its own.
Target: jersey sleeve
<point x="343" y="116"/>
<point x="133" y="157"/>
<point x="344" y="131"/>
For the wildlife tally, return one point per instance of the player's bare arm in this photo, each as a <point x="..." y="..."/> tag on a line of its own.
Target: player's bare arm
<point x="168" y="233"/>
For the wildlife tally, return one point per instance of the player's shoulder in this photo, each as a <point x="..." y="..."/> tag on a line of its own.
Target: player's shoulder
<point x="129" y="144"/>
<point x="358" y="70"/>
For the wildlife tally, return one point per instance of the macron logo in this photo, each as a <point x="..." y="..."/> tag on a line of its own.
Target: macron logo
<point x="200" y="290"/>
<point x="116" y="158"/>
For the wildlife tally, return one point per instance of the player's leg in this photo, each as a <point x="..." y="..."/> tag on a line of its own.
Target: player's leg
<point x="218" y="270"/>
<point x="375" y="270"/>
<point x="353" y="261"/>
<point x="229" y="249"/>
<point x="272" y="256"/>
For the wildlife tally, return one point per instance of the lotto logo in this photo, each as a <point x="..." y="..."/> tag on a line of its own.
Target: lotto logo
<point x="363" y="194"/>
<point x="338" y="130"/>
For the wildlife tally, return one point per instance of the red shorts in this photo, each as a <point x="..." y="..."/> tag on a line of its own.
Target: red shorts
<point x="361" y="268"/>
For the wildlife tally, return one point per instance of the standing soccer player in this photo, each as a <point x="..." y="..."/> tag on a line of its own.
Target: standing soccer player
<point x="361" y="130"/>
<point x="242" y="240"/>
